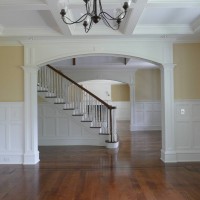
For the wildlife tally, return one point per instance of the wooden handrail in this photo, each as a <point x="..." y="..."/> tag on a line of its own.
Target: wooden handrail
<point x="81" y="87"/>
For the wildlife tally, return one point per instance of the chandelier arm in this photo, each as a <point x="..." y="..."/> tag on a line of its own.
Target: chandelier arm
<point x="109" y="17"/>
<point x="105" y="21"/>
<point x="81" y="19"/>
<point x="92" y="9"/>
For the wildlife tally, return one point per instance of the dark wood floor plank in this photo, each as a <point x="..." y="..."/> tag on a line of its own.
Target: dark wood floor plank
<point x="134" y="172"/>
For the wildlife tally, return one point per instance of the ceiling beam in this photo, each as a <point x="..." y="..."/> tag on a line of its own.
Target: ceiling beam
<point x="53" y="7"/>
<point x="24" y="31"/>
<point x="132" y="18"/>
<point x="23" y="5"/>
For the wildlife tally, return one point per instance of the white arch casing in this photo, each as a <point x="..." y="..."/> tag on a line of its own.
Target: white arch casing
<point x="39" y="53"/>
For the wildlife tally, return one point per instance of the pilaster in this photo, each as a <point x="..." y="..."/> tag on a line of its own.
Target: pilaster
<point x="132" y="102"/>
<point x="168" y="153"/>
<point x="31" y="154"/>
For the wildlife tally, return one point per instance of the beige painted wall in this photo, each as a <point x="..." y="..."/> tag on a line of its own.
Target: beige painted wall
<point x="11" y="74"/>
<point x="147" y="85"/>
<point x="186" y="76"/>
<point x="187" y="71"/>
<point x="120" y="92"/>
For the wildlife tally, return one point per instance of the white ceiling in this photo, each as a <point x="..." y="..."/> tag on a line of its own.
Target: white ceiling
<point x="177" y="19"/>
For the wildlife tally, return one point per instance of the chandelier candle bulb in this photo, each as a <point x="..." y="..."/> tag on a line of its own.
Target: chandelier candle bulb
<point x="95" y="13"/>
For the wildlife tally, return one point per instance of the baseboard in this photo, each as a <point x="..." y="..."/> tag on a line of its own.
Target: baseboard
<point x="168" y="156"/>
<point x="188" y="156"/>
<point x="9" y="158"/>
<point x="145" y="128"/>
<point x="180" y="156"/>
<point x="31" y="159"/>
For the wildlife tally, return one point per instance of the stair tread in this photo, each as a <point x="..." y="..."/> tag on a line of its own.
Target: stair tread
<point x="86" y="121"/>
<point x="77" y="115"/>
<point x="95" y="126"/>
<point x="60" y="103"/>
<point x="104" y="134"/>
<point x="68" y="108"/>
<point x="42" y="90"/>
<point x="50" y="96"/>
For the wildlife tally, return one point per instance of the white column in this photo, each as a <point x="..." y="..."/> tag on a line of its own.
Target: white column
<point x="31" y="154"/>
<point x="168" y="153"/>
<point x="132" y="104"/>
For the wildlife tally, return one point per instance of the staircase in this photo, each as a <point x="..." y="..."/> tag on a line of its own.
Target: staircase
<point x="68" y="96"/>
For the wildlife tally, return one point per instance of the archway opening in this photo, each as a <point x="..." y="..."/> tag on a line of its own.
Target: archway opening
<point x="81" y="74"/>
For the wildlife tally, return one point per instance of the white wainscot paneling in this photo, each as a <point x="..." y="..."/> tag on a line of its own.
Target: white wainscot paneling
<point x="196" y="131"/>
<point x="11" y="133"/>
<point x="59" y="127"/>
<point x="183" y="136"/>
<point x="187" y="130"/>
<point x="2" y="137"/>
<point x="147" y="116"/>
<point x="123" y="109"/>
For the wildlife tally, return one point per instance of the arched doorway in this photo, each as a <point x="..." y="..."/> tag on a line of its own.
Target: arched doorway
<point x="168" y="144"/>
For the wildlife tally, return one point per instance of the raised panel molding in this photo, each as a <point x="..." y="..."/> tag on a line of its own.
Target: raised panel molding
<point x="60" y="128"/>
<point x="123" y="110"/>
<point x="11" y="133"/>
<point x="187" y="129"/>
<point x="147" y="116"/>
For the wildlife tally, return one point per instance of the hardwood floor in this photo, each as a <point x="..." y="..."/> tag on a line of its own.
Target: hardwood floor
<point x="135" y="172"/>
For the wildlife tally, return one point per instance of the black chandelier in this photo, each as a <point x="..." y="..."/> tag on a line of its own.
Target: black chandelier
<point x="91" y="16"/>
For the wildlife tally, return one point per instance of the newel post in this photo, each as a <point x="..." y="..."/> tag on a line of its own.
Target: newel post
<point x="112" y="142"/>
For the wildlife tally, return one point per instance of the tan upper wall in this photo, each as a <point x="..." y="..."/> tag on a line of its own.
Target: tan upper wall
<point x="186" y="76"/>
<point x="11" y="74"/>
<point x="120" y="92"/>
<point x="147" y="85"/>
<point x="187" y="71"/>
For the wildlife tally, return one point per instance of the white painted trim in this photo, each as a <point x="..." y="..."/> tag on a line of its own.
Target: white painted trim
<point x="31" y="154"/>
<point x="11" y="158"/>
<point x="41" y="53"/>
<point x="188" y="156"/>
<point x="12" y="136"/>
<point x="114" y="145"/>
<point x="168" y="156"/>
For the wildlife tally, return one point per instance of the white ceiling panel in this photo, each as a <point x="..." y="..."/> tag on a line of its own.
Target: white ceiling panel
<point x="169" y="15"/>
<point x="145" y="19"/>
<point x="27" y="19"/>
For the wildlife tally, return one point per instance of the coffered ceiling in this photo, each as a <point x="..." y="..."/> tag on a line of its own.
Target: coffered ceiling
<point x="177" y="19"/>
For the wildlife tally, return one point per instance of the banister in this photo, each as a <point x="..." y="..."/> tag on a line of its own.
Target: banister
<point x="81" y="87"/>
